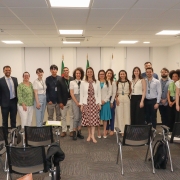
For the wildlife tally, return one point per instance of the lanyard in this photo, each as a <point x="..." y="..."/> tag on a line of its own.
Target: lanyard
<point x="134" y="83"/>
<point x="42" y="83"/>
<point x="123" y="86"/>
<point x="149" y="84"/>
<point x="67" y="84"/>
<point x="163" y="84"/>
<point x="55" y="82"/>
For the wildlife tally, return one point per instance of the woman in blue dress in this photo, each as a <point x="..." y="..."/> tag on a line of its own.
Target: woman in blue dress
<point x="105" y="113"/>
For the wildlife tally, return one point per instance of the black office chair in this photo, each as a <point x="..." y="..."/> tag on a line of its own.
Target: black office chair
<point x="135" y="135"/>
<point x="38" y="136"/>
<point x="24" y="160"/>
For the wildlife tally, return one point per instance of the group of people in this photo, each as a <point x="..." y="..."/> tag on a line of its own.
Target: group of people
<point x="88" y="100"/>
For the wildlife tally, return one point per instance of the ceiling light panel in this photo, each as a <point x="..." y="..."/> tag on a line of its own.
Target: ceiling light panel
<point x="168" y="32"/>
<point x="70" y="31"/>
<point x="127" y="42"/>
<point x="67" y="42"/>
<point x="12" y="42"/>
<point x="69" y="3"/>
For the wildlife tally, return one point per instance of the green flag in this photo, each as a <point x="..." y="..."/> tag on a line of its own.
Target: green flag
<point x="87" y="64"/>
<point x="62" y="68"/>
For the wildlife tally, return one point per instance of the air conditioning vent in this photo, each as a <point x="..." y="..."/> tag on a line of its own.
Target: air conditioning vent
<point x="73" y="39"/>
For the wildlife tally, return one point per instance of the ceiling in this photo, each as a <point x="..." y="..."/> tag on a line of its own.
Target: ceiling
<point x="105" y="22"/>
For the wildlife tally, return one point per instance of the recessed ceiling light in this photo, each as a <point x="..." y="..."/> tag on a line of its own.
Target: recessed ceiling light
<point x="146" y="42"/>
<point x="12" y="42"/>
<point x="68" y="42"/>
<point x="69" y="3"/>
<point x="128" y="42"/>
<point x="168" y="32"/>
<point x="71" y="31"/>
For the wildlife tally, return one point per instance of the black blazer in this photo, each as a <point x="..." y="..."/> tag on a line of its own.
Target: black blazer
<point x="4" y="91"/>
<point x="62" y="91"/>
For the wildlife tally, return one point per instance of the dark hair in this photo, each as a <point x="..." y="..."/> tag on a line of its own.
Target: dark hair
<point x="53" y="67"/>
<point x="133" y="76"/>
<point x="39" y="70"/>
<point x="171" y="73"/>
<point x="104" y="77"/>
<point x="178" y="72"/>
<point x="25" y="73"/>
<point x="65" y="68"/>
<point x="80" y="70"/>
<point x="86" y="78"/>
<point x="147" y="63"/>
<point x="119" y="79"/>
<point x="149" y="68"/>
<point x="112" y="78"/>
<point x="6" y="67"/>
<point x="165" y="69"/>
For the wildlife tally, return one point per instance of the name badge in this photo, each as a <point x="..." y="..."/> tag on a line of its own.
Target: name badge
<point x="55" y="88"/>
<point x="173" y="97"/>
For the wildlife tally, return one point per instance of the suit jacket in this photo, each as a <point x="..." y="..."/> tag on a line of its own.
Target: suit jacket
<point x="106" y="92"/>
<point x="4" y="91"/>
<point x="84" y="92"/>
<point x="62" y="91"/>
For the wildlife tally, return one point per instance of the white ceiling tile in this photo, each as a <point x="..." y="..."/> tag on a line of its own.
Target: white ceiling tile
<point x="24" y="3"/>
<point x="31" y="12"/>
<point x="9" y="20"/>
<point x="113" y="4"/>
<point x="156" y="4"/>
<point x="37" y="20"/>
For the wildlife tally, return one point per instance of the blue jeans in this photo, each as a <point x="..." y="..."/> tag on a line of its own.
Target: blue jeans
<point x="40" y="112"/>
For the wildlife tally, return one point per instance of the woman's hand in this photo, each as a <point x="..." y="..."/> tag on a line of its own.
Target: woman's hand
<point x="99" y="106"/>
<point x="24" y="107"/>
<point x="81" y="108"/>
<point x="177" y="107"/>
<point x="102" y="102"/>
<point x="171" y="104"/>
<point x="38" y="105"/>
<point x="117" y="102"/>
<point x="78" y="104"/>
<point x="141" y="105"/>
<point x="111" y="105"/>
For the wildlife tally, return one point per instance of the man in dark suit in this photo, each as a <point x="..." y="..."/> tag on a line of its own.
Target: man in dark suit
<point x="8" y="98"/>
<point x="64" y="101"/>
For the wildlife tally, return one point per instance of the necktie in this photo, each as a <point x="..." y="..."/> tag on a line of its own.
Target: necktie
<point x="10" y="88"/>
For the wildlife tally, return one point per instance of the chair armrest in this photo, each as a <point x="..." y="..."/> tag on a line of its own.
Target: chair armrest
<point x="165" y="128"/>
<point x="117" y="129"/>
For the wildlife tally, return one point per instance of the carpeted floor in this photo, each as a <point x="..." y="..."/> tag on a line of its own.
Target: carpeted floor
<point x="89" y="161"/>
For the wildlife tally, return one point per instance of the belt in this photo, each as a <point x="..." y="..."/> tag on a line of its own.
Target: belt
<point x="151" y="99"/>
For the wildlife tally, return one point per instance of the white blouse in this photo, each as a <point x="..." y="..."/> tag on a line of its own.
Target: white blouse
<point x="136" y="87"/>
<point x="123" y="88"/>
<point x="40" y="86"/>
<point x="74" y="86"/>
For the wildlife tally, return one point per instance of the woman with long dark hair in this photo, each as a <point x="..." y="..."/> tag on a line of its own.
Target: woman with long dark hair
<point x="138" y="94"/>
<point x="110" y="79"/>
<point x="105" y="113"/>
<point x="90" y="101"/>
<point x="122" y="101"/>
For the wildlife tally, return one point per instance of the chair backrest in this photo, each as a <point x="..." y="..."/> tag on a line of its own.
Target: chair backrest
<point x="26" y="160"/>
<point x="176" y="131"/>
<point x="3" y="137"/>
<point x="137" y="135"/>
<point x="38" y="136"/>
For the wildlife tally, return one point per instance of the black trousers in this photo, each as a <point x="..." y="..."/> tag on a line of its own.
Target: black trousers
<point x="12" y="110"/>
<point x="164" y="114"/>
<point x="172" y="113"/>
<point x="137" y="113"/>
<point x="150" y="112"/>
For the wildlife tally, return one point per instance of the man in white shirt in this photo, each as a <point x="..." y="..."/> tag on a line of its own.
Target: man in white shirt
<point x="153" y="97"/>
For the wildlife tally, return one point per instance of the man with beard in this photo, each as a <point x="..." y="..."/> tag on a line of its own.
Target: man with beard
<point x="8" y="98"/>
<point x="163" y="105"/>
<point x="153" y="97"/>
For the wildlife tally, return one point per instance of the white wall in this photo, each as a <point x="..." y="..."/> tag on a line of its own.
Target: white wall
<point x="173" y="57"/>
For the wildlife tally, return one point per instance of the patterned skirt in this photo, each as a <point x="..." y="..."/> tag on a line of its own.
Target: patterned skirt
<point x="90" y="113"/>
